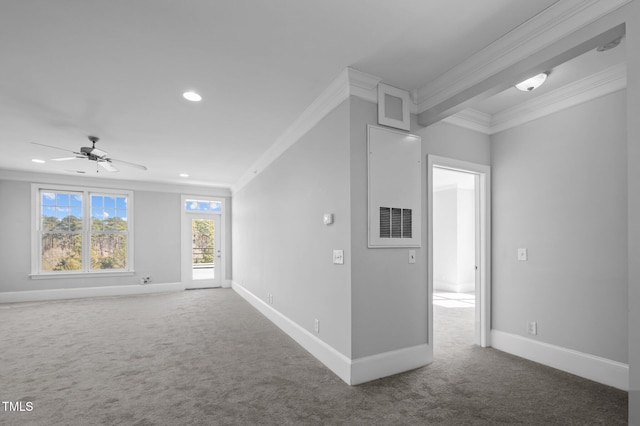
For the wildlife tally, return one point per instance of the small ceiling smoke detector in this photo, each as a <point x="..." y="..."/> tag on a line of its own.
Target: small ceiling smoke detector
<point x="532" y="83"/>
<point x="192" y="96"/>
<point x="613" y="43"/>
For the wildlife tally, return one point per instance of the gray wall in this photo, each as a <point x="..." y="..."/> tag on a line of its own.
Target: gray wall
<point x="156" y="236"/>
<point x="281" y="245"/>
<point x="632" y="16"/>
<point x="559" y="190"/>
<point x="389" y="296"/>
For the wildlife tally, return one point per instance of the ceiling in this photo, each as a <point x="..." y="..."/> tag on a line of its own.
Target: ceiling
<point x="571" y="71"/>
<point x="117" y="69"/>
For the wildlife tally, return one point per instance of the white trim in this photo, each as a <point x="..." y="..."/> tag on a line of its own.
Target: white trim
<point x="385" y="364"/>
<point x="86" y="232"/>
<point x="471" y="119"/>
<point x="544" y="29"/>
<point x="601" y="370"/>
<point x="328" y="100"/>
<point x="330" y="357"/>
<point x="404" y="123"/>
<point x="354" y="372"/>
<point x="483" y="324"/>
<point x="363" y="85"/>
<point x="602" y="83"/>
<point x="76" y="293"/>
<point x="607" y="81"/>
<point x="349" y="82"/>
<point x="220" y="233"/>
<point x="60" y="179"/>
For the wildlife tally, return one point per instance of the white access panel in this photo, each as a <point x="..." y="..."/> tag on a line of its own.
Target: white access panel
<point x="394" y="167"/>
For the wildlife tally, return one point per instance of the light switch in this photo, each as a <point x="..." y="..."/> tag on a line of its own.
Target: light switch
<point x="412" y="256"/>
<point x="522" y="254"/>
<point x="338" y="257"/>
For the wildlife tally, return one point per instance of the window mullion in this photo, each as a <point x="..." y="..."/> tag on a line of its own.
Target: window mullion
<point x="86" y="232"/>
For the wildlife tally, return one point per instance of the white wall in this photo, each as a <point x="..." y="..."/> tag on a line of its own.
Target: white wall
<point x="453" y="239"/>
<point x="281" y="245"/>
<point x="560" y="190"/>
<point x="156" y="234"/>
<point x="445" y="239"/>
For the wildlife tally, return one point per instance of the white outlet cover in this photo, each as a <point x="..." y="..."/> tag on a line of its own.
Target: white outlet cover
<point x="327" y="218"/>
<point x="338" y="257"/>
<point x="522" y="254"/>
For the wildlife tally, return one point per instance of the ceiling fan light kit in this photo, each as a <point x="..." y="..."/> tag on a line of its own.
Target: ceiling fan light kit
<point x="92" y="153"/>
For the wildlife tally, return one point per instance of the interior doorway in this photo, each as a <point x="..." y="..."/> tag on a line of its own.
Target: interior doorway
<point x="459" y="246"/>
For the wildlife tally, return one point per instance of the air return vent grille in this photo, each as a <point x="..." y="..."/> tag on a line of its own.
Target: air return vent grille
<point x="394" y="182"/>
<point x="395" y="222"/>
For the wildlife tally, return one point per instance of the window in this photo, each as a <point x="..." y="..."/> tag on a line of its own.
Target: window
<point x="208" y="206"/>
<point x="81" y="230"/>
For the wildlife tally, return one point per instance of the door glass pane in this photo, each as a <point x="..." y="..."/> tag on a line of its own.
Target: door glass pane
<point x="202" y="252"/>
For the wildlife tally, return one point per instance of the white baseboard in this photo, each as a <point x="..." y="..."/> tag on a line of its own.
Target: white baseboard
<point x="352" y="372"/>
<point x="601" y="370"/>
<point x="385" y="364"/>
<point x="76" y="293"/>
<point x="334" y="360"/>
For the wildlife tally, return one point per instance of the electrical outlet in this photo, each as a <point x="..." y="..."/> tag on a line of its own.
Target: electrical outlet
<point x="316" y="325"/>
<point x="522" y="254"/>
<point x="338" y="257"/>
<point x="145" y="280"/>
<point x="532" y="328"/>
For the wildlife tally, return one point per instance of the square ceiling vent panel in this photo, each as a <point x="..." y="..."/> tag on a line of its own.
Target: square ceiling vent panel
<point x="394" y="168"/>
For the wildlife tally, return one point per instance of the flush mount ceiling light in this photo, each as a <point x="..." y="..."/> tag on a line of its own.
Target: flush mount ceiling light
<point x="192" y="96"/>
<point x="613" y="43"/>
<point x="532" y="83"/>
<point x="184" y="175"/>
<point x="36" y="160"/>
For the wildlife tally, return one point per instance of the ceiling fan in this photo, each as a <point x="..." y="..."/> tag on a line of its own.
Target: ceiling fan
<point x="93" y="154"/>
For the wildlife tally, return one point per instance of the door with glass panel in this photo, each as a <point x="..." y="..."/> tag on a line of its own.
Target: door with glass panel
<point x="202" y="251"/>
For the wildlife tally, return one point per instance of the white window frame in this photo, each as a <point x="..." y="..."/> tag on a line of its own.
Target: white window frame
<point x="86" y="271"/>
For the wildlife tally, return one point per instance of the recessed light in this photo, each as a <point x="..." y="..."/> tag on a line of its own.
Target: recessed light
<point x="184" y="175"/>
<point x="36" y="160"/>
<point x="192" y="96"/>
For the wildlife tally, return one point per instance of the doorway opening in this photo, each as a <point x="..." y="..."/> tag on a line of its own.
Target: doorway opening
<point x="202" y="234"/>
<point x="459" y="248"/>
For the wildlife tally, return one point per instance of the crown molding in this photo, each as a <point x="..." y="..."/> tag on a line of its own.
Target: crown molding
<point x="599" y="84"/>
<point x="544" y="29"/>
<point x="602" y="83"/>
<point x="349" y="82"/>
<point x="471" y="119"/>
<point x="64" y="179"/>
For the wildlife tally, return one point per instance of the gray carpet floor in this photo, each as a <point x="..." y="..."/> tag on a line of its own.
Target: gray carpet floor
<point x="207" y="357"/>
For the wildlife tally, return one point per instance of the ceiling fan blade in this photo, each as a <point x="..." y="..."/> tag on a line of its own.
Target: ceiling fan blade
<point x="66" y="158"/>
<point x="107" y="166"/>
<point x="54" y="147"/>
<point x="137" y="166"/>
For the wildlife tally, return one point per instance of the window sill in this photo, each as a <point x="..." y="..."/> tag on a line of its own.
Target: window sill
<point x="82" y="275"/>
